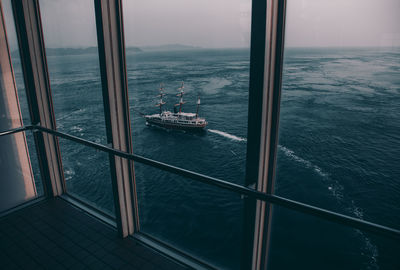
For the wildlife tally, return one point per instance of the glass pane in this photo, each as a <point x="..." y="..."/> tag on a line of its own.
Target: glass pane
<point x="16" y="181"/>
<point x="202" y="220"/>
<point x="34" y="163"/>
<point x="339" y="128"/>
<point x="300" y="241"/>
<point x="15" y="59"/>
<point x="71" y="48"/>
<point x="170" y="43"/>
<point x="204" y="47"/>
<point x="339" y="141"/>
<point x="87" y="175"/>
<point x="19" y="80"/>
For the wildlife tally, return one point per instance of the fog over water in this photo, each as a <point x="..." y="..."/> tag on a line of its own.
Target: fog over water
<point x="224" y="23"/>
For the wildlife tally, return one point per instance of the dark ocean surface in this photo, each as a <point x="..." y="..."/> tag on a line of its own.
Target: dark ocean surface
<point x="339" y="148"/>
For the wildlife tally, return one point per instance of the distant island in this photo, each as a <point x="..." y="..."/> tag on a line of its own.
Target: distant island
<point x="79" y="51"/>
<point x="70" y="51"/>
<point x="75" y="51"/>
<point x="170" y="47"/>
<point x="130" y="49"/>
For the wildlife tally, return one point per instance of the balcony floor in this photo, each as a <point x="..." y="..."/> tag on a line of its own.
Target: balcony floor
<point x="53" y="234"/>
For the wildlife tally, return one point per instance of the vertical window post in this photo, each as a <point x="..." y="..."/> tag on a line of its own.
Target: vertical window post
<point x="256" y="87"/>
<point x="34" y="66"/>
<point x="16" y="181"/>
<point x="116" y="109"/>
<point x="266" y="59"/>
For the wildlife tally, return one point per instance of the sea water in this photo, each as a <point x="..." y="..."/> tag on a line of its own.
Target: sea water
<point x="339" y="148"/>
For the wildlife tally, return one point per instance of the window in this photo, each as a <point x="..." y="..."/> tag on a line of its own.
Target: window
<point x="23" y="101"/>
<point x="73" y="63"/>
<point x="338" y="138"/>
<point x="170" y="48"/>
<point x="192" y="195"/>
<point x="21" y="183"/>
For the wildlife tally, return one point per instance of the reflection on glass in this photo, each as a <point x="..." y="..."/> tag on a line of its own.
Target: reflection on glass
<point x="202" y="220"/>
<point x="204" y="47"/>
<point x="339" y="131"/>
<point x="19" y="80"/>
<point x="87" y="175"/>
<point x="16" y="181"/>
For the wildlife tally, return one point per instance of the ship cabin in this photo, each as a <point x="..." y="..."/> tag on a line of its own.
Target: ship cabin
<point x="189" y="118"/>
<point x="186" y="116"/>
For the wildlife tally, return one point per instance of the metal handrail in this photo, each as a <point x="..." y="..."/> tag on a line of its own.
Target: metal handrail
<point x="254" y="194"/>
<point x="15" y="130"/>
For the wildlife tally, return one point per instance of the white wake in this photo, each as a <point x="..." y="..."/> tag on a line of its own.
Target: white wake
<point x="227" y="135"/>
<point x="337" y="190"/>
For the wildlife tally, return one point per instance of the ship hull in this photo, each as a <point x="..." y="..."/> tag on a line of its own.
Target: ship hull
<point x="176" y="126"/>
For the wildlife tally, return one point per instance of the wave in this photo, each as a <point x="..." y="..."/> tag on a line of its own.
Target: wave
<point x="227" y="135"/>
<point x="76" y="128"/>
<point x="68" y="115"/>
<point x="369" y="247"/>
<point x="290" y="153"/>
<point x="68" y="173"/>
<point x="336" y="190"/>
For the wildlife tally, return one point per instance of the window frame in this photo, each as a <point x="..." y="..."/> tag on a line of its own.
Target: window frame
<point x="267" y="40"/>
<point x="36" y="78"/>
<point x="111" y="47"/>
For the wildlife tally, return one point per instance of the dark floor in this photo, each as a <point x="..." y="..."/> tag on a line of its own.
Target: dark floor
<point x="55" y="235"/>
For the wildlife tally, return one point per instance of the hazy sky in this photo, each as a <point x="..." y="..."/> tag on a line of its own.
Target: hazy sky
<point x="343" y="23"/>
<point x="224" y="23"/>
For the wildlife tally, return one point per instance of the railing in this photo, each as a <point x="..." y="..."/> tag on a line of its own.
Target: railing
<point x="245" y="191"/>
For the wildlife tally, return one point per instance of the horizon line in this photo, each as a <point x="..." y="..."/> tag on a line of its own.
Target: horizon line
<point x="200" y="47"/>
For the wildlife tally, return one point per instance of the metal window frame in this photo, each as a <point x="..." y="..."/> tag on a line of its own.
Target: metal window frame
<point x="12" y="119"/>
<point x="114" y="84"/>
<point x="266" y="61"/>
<point x="254" y="126"/>
<point x="37" y="85"/>
<point x="267" y="39"/>
<point x="111" y="47"/>
<point x="276" y="17"/>
<point x="257" y="52"/>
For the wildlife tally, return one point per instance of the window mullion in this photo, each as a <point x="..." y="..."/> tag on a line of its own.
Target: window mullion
<point x="264" y="100"/>
<point x="34" y="65"/>
<point x="116" y="109"/>
<point x="276" y="10"/>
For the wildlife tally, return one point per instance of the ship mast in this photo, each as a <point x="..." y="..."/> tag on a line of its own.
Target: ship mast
<point x="161" y="95"/>
<point x="181" y="102"/>
<point x="198" y="105"/>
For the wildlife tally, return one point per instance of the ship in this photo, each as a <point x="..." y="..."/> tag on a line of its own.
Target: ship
<point x="178" y="119"/>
